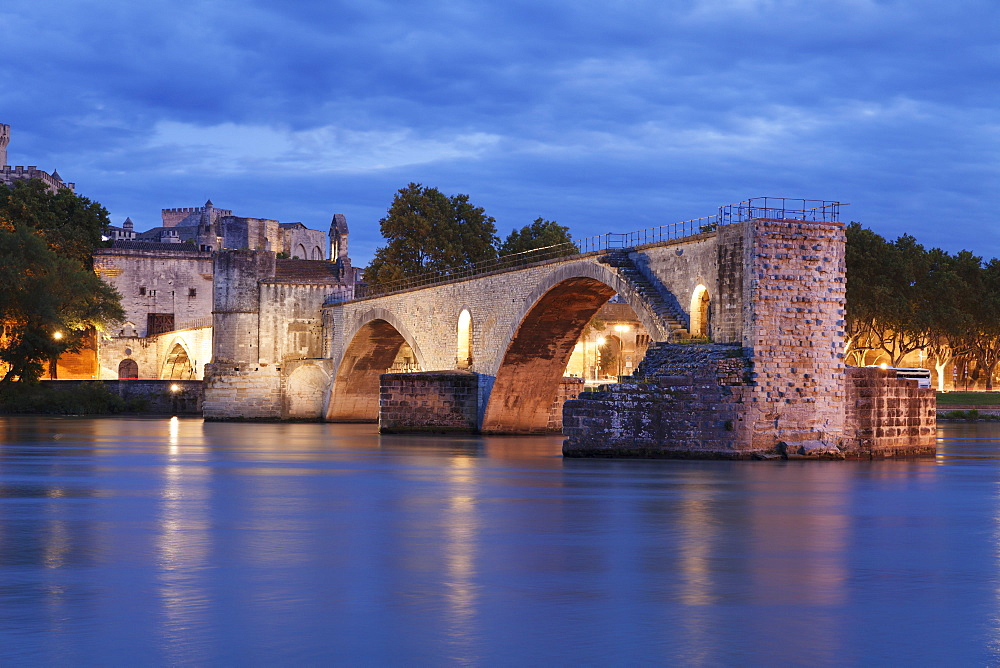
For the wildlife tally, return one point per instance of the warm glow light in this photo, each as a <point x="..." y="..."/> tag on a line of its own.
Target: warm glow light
<point x="883" y="365"/>
<point x="57" y="335"/>
<point x="622" y="328"/>
<point x="601" y="340"/>
<point x="175" y="388"/>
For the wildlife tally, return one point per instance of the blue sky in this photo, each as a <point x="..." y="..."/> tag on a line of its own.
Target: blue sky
<point x="605" y="116"/>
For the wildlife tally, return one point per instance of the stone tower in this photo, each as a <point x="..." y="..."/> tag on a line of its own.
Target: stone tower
<point x="207" y="236"/>
<point x="338" y="250"/>
<point x="4" y="140"/>
<point x="236" y="304"/>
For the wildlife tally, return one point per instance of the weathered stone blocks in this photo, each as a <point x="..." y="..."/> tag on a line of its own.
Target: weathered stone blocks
<point x="436" y="401"/>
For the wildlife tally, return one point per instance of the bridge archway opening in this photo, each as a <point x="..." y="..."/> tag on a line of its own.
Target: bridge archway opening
<point x="377" y="348"/>
<point x="700" y="312"/>
<point x="532" y="368"/>
<point x="464" y="348"/>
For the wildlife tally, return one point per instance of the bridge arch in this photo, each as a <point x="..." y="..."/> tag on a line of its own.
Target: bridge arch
<point x="541" y="340"/>
<point x="375" y="340"/>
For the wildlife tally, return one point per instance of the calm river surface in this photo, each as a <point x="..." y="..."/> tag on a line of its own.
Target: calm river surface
<point x="142" y="541"/>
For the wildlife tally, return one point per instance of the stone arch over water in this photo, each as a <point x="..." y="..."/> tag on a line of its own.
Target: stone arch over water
<point x="374" y="346"/>
<point x="540" y="345"/>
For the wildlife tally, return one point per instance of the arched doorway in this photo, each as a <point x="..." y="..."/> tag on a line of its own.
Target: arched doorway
<point x="128" y="369"/>
<point x="375" y="349"/>
<point x="536" y="357"/>
<point x="300" y="253"/>
<point x="700" y="313"/>
<point x="177" y="365"/>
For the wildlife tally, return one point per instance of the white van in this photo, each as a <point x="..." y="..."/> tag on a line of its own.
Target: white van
<point x="922" y="376"/>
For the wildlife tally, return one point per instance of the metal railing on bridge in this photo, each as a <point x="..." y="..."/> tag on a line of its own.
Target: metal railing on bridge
<point x="782" y="208"/>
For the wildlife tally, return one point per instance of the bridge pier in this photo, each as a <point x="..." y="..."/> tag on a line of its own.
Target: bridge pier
<point x="781" y="391"/>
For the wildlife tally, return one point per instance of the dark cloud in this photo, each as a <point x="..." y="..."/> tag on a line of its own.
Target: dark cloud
<point x="603" y="116"/>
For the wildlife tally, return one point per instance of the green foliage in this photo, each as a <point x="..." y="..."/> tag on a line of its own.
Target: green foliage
<point x="82" y="399"/>
<point x="539" y="234"/>
<point x="902" y="297"/>
<point x="47" y="288"/>
<point x="428" y="231"/>
<point x="968" y="399"/>
<point x="970" y="416"/>
<point x="71" y="225"/>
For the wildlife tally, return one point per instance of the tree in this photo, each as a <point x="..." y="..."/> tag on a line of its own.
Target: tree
<point x="539" y="234"/>
<point x="49" y="296"/>
<point x="71" y="225"/>
<point x="428" y="231"/>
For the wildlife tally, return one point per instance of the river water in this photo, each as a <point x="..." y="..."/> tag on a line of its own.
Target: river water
<point x="146" y="541"/>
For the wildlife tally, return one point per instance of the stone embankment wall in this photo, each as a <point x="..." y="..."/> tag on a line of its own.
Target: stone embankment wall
<point x="437" y="401"/>
<point x="159" y="395"/>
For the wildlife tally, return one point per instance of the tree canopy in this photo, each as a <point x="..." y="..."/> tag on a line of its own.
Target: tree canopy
<point x="540" y="233"/>
<point x="426" y="231"/>
<point x="49" y="295"/>
<point x="902" y="297"/>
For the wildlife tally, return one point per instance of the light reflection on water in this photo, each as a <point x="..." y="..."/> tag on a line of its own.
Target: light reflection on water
<point x="177" y="541"/>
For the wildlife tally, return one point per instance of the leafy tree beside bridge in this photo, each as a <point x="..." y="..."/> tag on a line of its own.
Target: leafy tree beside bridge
<point x="49" y="294"/>
<point x="902" y="298"/>
<point x="428" y="231"/>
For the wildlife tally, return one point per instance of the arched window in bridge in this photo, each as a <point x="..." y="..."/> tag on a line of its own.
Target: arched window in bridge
<point x="700" y="313"/>
<point x="128" y="369"/>
<point x="464" y="353"/>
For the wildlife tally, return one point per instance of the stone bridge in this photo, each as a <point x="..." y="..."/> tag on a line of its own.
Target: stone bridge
<point x="492" y="349"/>
<point x="516" y="329"/>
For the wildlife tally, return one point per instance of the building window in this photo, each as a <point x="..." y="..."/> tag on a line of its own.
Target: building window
<point x="157" y="323"/>
<point x="192" y="292"/>
<point x="464" y="352"/>
<point x="142" y="291"/>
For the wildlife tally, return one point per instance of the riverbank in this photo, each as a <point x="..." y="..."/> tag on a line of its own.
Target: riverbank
<point x="113" y="397"/>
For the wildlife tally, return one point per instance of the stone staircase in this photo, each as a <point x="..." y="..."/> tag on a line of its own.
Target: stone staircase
<point x="664" y="307"/>
<point x="682" y="360"/>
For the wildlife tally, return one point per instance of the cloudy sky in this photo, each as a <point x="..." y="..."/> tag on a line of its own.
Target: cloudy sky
<point x="606" y="116"/>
